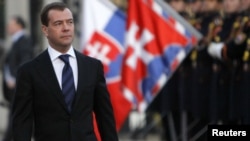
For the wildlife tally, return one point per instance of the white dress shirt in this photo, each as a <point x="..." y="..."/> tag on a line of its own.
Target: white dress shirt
<point x="58" y="64"/>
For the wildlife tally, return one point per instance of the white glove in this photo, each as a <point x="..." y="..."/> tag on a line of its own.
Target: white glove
<point x="137" y="120"/>
<point x="215" y="50"/>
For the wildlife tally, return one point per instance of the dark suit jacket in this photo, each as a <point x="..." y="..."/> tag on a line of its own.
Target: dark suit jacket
<point x="39" y="99"/>
<point x="20" y="52"/>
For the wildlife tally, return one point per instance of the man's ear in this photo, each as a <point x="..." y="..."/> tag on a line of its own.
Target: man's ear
<point x="45" y="30"/>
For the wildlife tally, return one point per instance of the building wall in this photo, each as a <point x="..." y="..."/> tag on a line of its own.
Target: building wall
<point x="2" y="12"/>
<point x="14" y="7"/>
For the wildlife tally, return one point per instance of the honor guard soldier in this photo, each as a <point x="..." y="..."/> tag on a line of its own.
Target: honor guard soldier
<point x="236" y="51"/>
<point x="208" y="20"/>
<point x="223" y="83"/>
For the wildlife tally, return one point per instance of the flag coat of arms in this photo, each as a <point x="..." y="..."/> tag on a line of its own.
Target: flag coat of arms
<point x="156" y="43"/>
<point x="102" y="37"/>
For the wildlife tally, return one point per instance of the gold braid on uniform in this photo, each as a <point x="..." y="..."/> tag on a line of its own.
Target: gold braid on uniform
<point x="246" y="56"/>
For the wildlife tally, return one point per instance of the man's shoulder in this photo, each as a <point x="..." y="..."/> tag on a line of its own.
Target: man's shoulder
<point x="34" y="61"/>
<point x="24" y="39"/>
<point x="26" y="66"/>
<point x="86" y="58"/>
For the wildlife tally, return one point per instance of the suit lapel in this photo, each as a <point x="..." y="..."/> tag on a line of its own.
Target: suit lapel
<point x="82" y="76"/>
<point x="45" y="69"/>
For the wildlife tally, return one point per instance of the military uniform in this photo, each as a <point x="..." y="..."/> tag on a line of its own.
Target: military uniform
<point x="227" y="74"/>
<point x="237" y="51"/>
<point x="194" y="77"/>
<point x="202" y="69"/>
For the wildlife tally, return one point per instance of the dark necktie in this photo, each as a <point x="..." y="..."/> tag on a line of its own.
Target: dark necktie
<point x="68" y="87"/>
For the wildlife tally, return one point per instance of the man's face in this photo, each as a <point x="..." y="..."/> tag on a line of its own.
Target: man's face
<point x="60" y="29"/>
<point x="211" y="5"/>
<point x="12" y="27"/>
<point x="196" y="6"/>
<point x="245" y="4"/>
<point x="231" y="6"/>
<point x="178" y="5"/>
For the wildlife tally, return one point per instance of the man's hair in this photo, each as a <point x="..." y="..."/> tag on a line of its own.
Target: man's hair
<point x="52" y="6"/>
<point x="20" y="21"/>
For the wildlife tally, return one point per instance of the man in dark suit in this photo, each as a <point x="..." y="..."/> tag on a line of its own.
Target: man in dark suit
<point x="19" y="52"/>
<point x="40" y="96"/>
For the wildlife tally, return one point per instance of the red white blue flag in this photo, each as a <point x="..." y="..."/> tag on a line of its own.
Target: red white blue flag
<point x="139" y="51"/>
<point x="103" y="34"/>
<point x="156" y="43"/>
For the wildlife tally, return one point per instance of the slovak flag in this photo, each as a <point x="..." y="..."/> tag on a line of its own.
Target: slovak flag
<point x="156" y="44"/>
<point x="102" y="37"/>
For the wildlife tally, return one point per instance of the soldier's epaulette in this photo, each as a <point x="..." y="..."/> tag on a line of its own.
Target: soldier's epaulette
<point x="246" y="54"/>
<point x="248" y="44"/>
<point x="211" y="25"/>
<point x="193" y="55"/>
<point x="245" y="19"/>
<point x="236" y="24"/>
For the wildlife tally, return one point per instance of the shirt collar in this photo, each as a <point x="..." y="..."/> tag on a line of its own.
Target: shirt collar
<point x="17" y="35"/>
<point x="54" y="54"/>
